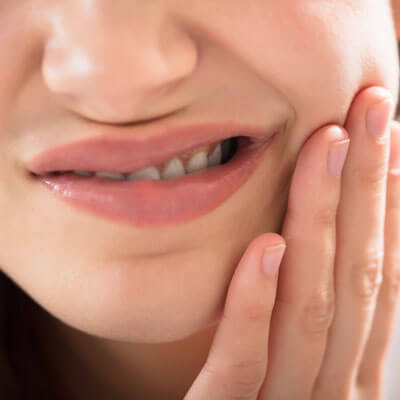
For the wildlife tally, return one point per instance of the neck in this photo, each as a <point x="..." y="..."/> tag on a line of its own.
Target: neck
<point x="84" y="366"/>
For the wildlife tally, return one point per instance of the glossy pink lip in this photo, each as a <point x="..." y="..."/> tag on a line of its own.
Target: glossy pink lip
<point x="125" y="154"/>
<point x="147" y="202"/>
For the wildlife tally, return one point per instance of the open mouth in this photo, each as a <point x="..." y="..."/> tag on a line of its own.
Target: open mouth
<point x="156" y="181"/>
<point x="190" y="162"/>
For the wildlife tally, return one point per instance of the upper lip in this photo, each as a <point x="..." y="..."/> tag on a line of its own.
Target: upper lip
<point x="107" y="152"/>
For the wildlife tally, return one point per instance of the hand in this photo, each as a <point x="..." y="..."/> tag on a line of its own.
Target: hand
<point x="323" y="334"/>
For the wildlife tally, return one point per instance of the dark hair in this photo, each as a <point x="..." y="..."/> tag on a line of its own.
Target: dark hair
<point x="22" y="372"/>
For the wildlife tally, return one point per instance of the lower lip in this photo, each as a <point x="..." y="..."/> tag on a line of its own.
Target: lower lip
<point x="151" y="202"/>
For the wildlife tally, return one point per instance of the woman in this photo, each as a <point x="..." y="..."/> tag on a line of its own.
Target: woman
<point x="154" y="287"/>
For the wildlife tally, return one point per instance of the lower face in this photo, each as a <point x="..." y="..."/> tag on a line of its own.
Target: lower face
<point x="128" y="277"/>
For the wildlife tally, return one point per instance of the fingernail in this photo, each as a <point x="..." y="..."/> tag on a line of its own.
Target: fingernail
<point x="337" y="157"/>
<point x="271" y="259"/>
<point x="378" y="118"/>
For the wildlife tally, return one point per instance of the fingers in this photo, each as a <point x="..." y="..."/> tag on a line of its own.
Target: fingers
<point x="360" y="234"/>
<point x="304" y="305"/>
<point x="237" y="362"/>
<point x="372" y="365"/>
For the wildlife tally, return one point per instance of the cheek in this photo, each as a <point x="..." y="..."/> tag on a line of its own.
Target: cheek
<point x="316" y="53"/>
<point x="314" y="58"/>
<point x="328" y="51"/>
<point x="295" y="46"/>
<point x="20" y="49"/>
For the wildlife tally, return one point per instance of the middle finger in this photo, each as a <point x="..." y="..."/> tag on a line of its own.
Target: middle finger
<point x="360" y="239"/>
<point x="303" y="307"/>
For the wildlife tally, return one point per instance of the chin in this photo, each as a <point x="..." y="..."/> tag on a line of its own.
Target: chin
<point x="152" y="300"/>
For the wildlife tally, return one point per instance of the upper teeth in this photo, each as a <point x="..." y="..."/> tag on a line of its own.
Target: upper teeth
<point x="215" y="157"/>
<point x="145" y="173"/>
<point x="174" y="168"/>
<point x="198" y="162"/>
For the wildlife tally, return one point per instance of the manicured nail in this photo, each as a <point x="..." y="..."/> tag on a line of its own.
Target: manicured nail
<point x="271" y="259"/>
<point x="337" y="157"/>
<point x="378" y="118"/>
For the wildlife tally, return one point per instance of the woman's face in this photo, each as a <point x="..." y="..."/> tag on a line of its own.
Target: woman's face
<point x="72" y="68"/>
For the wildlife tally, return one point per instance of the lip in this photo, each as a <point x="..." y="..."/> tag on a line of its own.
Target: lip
<point x="113" y="153"/>
<point x="144" y="203"/>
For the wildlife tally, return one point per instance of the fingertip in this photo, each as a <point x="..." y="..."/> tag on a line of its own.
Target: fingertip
<point x="333" y="133"/>
<point x="379" y="94"/>
<point x="272" y="259"/>
<point x="362" y="101"/>
<point x="269" y="239"/>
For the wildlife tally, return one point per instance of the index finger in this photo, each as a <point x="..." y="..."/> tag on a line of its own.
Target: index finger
<point x="237" y="362"/>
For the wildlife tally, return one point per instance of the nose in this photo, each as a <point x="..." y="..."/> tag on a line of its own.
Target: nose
<point x="115" y="60"/>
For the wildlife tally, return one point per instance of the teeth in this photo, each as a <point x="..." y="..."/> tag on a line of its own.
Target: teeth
<point x="215" y="157"/>
<point x="173" y="169"/>
<point x="197" y="163"/>
<point x="111" y="175"/>
<point x="83" y="173"/>
<point x="145" y="173"/>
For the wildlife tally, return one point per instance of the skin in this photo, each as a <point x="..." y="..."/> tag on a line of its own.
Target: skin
<point x="117" y="340"/>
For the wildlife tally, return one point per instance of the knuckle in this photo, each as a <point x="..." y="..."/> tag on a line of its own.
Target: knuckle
<point x="392" y="199"/>
<point x="391" y="279"/>
<point x="325" y="216"/>
<point x="368" y="276"/>
<point x="247" y="379"/>
<point x="242" y="379"/>
<point x="371" y="383"/>
<point x="393" y="206"/>
<point x="374" y="175"/>
<point x="255" y="312"/>
<point x="317" y="315"/>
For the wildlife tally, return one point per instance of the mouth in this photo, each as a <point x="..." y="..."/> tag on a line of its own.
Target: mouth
<point x="192" y="161"/>
<point x="167" y="186"/>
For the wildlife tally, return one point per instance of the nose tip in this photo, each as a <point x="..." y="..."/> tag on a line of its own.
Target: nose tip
<point x="110" y="69"/>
